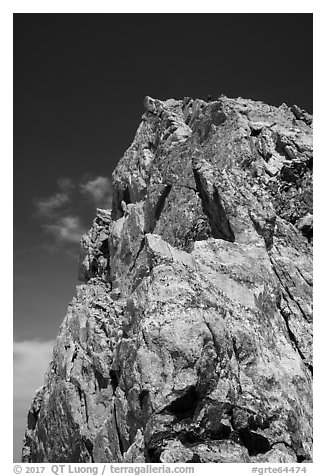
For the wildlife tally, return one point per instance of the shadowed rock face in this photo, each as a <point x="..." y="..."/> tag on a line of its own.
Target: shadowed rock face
<point x="190" y="338"/>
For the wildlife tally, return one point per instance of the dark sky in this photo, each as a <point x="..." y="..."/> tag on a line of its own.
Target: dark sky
<point x="79" y="84"/>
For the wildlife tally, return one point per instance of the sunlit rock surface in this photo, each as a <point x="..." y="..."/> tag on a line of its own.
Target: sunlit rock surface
<point x="190" y="338"/>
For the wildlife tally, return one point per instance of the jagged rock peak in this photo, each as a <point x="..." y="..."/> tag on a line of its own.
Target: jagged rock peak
<point x="190" y="339"/>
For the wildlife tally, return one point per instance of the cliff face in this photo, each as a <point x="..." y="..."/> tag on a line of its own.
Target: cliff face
<point x="190" y="339"/>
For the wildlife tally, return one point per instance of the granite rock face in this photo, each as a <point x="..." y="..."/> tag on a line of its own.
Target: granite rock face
<point x="190" y="338"/>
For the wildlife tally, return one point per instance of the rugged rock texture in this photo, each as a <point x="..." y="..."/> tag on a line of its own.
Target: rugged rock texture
<point x="190" y="339"/>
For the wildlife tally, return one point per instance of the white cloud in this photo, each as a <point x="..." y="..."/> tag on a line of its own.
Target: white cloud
<point x="66" y="229"/>
<point x="100" y="191"/>
<point x="49" y="206"/>
<point x="31" y="359"/>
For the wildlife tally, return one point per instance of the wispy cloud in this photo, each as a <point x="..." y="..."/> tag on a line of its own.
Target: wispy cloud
<point x="66" y="229"/>
<point x="99" y="190"/>
<point x="31" y="359"/>
<point x="49" y="206"/>
<point x="64" y="213"/>
<point x="66" y="184"/>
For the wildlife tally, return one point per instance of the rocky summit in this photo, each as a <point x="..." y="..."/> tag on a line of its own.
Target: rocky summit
<point x="190" y="337"/>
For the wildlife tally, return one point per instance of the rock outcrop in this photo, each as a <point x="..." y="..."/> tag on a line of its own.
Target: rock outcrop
<point x="190" y="338"/>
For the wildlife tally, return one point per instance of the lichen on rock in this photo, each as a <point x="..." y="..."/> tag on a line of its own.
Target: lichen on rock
<point x="190" y="337"/>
